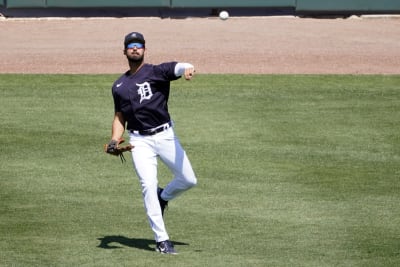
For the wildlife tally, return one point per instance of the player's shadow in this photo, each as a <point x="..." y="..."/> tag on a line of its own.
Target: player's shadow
<point x="117" y="241"/>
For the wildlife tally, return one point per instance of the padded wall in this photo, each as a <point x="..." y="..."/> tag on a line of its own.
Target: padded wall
<point x="347" y="5"/>
<point x="233" y="3"/>
<point x="310" y="6"/>
<point x="108" y="3"/>
<point x="26" y="3"/>
<point x="87" y="3"/>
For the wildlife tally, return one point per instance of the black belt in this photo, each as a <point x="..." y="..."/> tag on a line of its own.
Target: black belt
<point x="154" y="130"/>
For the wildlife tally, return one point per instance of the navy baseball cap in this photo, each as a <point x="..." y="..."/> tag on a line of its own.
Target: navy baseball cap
<point x="134" y="37"/>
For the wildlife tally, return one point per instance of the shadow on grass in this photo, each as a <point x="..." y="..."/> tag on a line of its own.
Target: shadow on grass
<point x="111" y="242"/>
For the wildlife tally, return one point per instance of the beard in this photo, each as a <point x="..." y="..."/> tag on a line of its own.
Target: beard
<point x="135" y="58"/>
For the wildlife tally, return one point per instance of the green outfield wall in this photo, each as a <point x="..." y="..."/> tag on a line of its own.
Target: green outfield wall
<point x="300" y="6"/>
<point x="149" y="3"/>
<point x="25" y="3"/>
<point x="86" y="3"/>
<point x="332" y="6"/>
<point x="233" y="3"/>
<point x="108" y="3"/>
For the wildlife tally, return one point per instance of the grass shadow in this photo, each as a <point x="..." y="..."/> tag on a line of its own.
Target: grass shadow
<point x="117" y="241"/>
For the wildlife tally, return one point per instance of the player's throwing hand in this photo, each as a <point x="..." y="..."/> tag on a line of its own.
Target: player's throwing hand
<point x="189" y="72"/>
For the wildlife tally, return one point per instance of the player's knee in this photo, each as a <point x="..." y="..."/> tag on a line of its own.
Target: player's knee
<point x="149" y="186"/>
<point x="191" y="182"/>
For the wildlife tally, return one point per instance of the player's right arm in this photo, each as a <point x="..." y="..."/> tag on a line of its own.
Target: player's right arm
<point x="184" y="69"/>
<point x="118" y="126"/>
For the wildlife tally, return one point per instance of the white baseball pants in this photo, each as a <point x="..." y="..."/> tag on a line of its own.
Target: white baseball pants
<point x="167" y="147"/>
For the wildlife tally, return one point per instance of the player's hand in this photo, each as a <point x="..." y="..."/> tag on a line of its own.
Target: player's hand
<point x="112" y="147"/>
<point x="189" y="72"/>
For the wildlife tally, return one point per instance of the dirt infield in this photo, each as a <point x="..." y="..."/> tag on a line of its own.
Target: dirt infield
<point x="260" y="45"/>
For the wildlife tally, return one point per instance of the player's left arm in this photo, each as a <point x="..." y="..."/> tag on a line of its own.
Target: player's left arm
<point x="184" y="69"/>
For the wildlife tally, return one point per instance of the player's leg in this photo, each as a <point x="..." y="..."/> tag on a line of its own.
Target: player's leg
<point x="174" y="156"/>
<point x="145" y="162"/>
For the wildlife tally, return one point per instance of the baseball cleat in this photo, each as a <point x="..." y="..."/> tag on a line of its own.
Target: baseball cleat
<point x="163" y="203"/>
<point x="166" y="247"/>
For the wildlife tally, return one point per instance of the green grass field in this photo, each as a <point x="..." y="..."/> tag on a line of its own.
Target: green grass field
<point x="293" y="170"/>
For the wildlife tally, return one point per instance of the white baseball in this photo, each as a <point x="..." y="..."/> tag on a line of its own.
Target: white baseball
<point x="223" y="15"/>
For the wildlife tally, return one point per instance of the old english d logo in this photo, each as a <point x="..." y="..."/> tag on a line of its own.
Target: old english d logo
<point x="144" y="91"/>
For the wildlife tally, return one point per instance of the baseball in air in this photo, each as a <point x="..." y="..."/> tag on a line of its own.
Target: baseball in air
<point x="223" y="15"/>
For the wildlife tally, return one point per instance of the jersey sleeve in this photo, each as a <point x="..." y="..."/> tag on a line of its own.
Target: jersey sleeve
<point x="117" y="103"/>
<point x="167" y="70"/>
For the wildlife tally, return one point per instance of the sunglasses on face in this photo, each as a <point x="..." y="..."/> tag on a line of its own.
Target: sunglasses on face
<point x="137" y="45"/>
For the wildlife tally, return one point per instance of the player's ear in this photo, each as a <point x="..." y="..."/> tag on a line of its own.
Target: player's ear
<point x="124" y="52"/>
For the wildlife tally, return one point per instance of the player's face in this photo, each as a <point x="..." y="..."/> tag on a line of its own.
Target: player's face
<point x="135" y="53"/>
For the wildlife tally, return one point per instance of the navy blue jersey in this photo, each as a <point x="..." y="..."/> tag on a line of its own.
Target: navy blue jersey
<point x="143" y="97"/>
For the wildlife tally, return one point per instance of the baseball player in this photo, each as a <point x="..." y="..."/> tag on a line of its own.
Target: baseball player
<point x="141" y="105"/>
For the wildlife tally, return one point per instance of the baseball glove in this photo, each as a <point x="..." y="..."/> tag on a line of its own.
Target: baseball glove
<point x="114" y="148"/>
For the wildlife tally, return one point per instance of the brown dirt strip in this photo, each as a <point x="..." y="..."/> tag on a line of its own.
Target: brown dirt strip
<point x="259" y="45"/>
